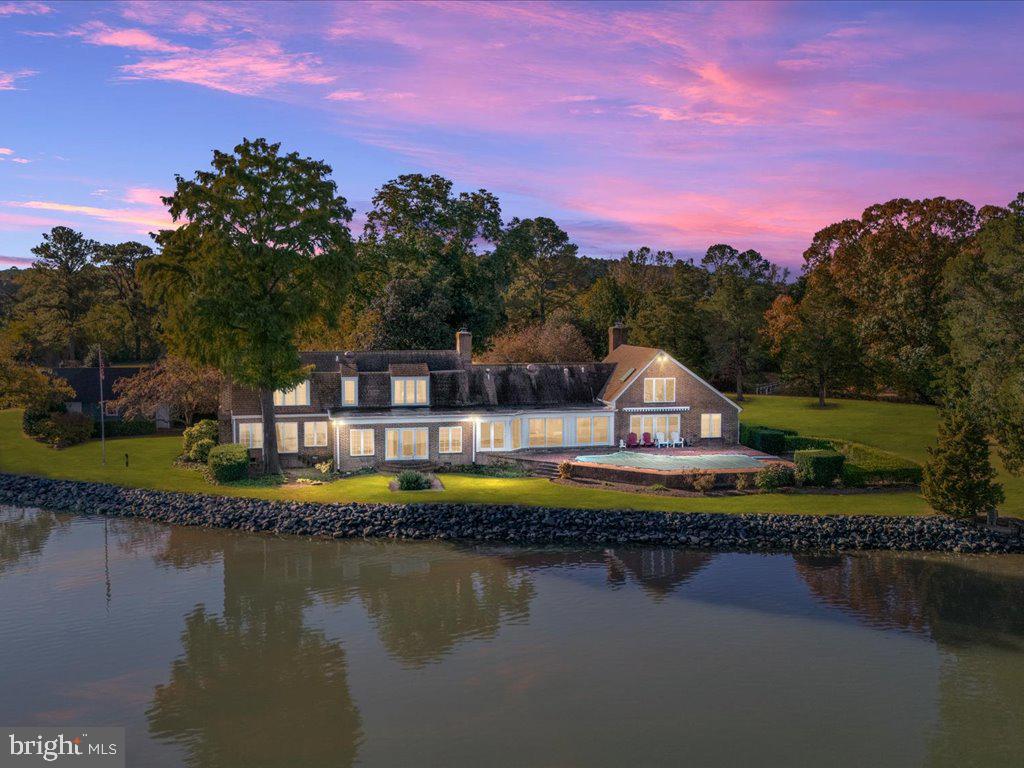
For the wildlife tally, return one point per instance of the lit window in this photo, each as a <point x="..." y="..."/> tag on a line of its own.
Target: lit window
<point x="492" y="435"/>
<point x="711" y="425"/>
<point x="297" y="395"/>
<point x="517" y="434"/>
<point x="544" y="433"/>
<point x="405" y="444"/>
<point x="591" y="430"/>
<point x="250" y="434"/>
<point x="665" y="425"/>
<point x="287" y="437"/>
<point x="583" y="432"/>
<point x="349" y="392"/>
<point x="411" y="390"/>
<point x="360" y="442"/>
<point x="660" y="390"/>
<point x="449" y="440"/>
<point x="315" y="434"/>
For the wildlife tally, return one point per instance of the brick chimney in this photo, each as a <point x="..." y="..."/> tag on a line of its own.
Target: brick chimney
<point x="617" y="336"/>
<point x="464" y="346"/>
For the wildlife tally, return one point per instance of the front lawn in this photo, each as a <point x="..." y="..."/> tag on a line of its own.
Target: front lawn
<point x="150" y="466"/>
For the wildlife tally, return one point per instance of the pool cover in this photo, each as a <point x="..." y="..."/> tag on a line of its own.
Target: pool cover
<point x="668" y="462"/>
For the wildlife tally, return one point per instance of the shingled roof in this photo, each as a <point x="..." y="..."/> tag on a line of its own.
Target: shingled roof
<point x="628" y="361"/>
<point x="86" y="381"/>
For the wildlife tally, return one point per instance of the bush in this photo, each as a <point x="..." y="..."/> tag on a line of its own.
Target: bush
<point x="34" y="422"/>
<point x="202" y="430"/>
<point x="819" y="467"/>
<point x="870" y="466"/>
<point x="703" y="481"/>
<point x="565" y="470"/>
<point x="228" y="462"/>
<point x="126" y="428"/>
<point x="774" y="476"/>
<point x="794" y="443"/>
<point x="411" y="480"/>
<point x="201" y="450"/>
<point x="742" y="481"/>
<point x="324" y="467"/>
<point x="63" y="429"/>
<point x="765" y="439"/>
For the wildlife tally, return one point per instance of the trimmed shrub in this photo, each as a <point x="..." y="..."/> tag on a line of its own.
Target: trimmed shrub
<point x="871" y="466"/>
<point x="703" y="481"/>
<point x="818" y="467"/>
<point x="765" y="439"/>
<point x="774" y="476"/>
<point x="202" y="430"/>
<point x="34" y="422"/>
<point x="228" y="462"/>
<point x="794" y="443"/>
<point x="126" y="428"/>
<point x="743" y="481"/>
<point x="63" y="429"/>
<point x="201" y="450"/>
<point x="565" y="470"/>
<point x="411" y="480"/>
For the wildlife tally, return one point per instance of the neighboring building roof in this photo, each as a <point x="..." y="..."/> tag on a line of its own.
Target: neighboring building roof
<point x="408" y="369"/>
<point x="628" y="360"/>
<point x="86" y="381"/>
<point x="381" y="361"/>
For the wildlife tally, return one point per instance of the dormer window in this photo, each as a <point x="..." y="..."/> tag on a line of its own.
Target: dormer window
<point x="349" y="391"/>
<point x="297" y="395"/>
<point x="410" y="390"/>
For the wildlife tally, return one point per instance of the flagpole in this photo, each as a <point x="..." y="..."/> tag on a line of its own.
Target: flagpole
<point x="103" y="410"/>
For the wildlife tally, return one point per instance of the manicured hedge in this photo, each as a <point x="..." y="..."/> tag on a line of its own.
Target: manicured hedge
<point x="764" y="439"/>
<point x="65" y="429"/>
<point x="228" y="462"/>
<point x="127" y="428"/>
<point x="871" y="466"/>
<point x="819" y="467"/>
<point x="796" y="443"/>
<point x="202" y="430"/>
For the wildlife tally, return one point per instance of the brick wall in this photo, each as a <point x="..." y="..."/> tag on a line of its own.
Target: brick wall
<point x="689" y="391"/>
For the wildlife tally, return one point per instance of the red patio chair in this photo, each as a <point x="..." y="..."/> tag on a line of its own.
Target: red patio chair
<point x="631" y="440"/>
<point x="647" y="440"/>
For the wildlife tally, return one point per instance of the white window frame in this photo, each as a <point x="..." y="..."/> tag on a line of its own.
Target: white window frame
<point x="404" y="382"/>
<point x="668" y="391"/>
<point x="363" y="449"/>
<point x="449" y="435"/>
<point x="591" y="421"/>
<point x="670" y="420"/>
<point x="281" y="396"/>
<point x="354" y="381"/>
<point x="280" y="442"/>
<point x="402" y="431"/>
<point x="246" y="432"/>
<point x="710" y="425"/>
<point x="313" y="429"/>
<point x="485" y="435"/>
<point x="547" y="443"/>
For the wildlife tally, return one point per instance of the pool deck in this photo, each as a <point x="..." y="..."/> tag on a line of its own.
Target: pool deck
<point x="570" y="454"/>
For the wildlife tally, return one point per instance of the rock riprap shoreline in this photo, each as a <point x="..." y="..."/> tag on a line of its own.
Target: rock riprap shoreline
<point x="498" y="523"/>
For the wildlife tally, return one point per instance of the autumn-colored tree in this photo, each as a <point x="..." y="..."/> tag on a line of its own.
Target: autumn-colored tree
<point x="813" y="338"/>
<point x="888" y="265"/>
<point x="27" y="386"/>
<point x="557" y="340"/>
<point x="263" y="248"/>
<point x="185" y="389"/>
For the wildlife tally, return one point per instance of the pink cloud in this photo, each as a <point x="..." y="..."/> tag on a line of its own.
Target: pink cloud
<point x="20" y="160"/>
<point x="6" y="151"/>
<point x="144" y="211"/>
<point x="346" y="96"/>
<point x="247" y="69"/>
<point x="8" y="80"/>
<point x="24" y="8"/>
<point x="16" y="261"/>
<point x="98" y="33"/>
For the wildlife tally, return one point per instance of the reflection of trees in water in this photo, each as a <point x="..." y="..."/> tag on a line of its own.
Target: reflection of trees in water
<point x="255" y="686"/>
<point x="973" y="608"/>
<point x="659" y="570"/>
<point x="24" y="533"/>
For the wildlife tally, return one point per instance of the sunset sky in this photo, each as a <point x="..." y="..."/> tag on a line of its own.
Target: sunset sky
<point x="670" y="125"/>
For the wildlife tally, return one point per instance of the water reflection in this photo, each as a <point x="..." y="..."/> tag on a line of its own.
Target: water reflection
<point x="24" y="533"/>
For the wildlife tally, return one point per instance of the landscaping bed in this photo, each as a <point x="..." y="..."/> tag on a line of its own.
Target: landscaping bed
<point x="512" y="524"/>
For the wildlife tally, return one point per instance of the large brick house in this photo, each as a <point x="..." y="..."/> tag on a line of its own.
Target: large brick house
<point x="438" y="406"/>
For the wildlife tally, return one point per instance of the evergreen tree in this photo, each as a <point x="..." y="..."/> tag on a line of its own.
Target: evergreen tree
<point x="959" y="477"/>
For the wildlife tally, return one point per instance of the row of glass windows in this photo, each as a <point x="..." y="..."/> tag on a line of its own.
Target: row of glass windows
<point x="406" y="390"/>
<point x="667" y="425"/>
<point x="543" y="432"/>
<point x="314" y="434"/>
<point x="660" y="390"/>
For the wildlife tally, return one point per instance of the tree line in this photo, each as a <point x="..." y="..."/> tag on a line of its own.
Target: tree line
<point x="916" y="299"/>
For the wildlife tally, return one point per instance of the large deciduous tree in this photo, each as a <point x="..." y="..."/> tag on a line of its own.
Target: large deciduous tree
<point x="555" y="341"/>
<point x="546" y="274"/>
<point x="185" y="389"/>
<point x="985" y="285"/>
<point x="122" y="310"/>
<point x="742" y="287"/>
<point x="889" y="265"/>
<point x="813" y="337"/>
<point x="263" y="247"/>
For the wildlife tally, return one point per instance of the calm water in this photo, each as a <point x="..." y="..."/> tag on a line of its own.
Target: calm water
<point x="223" y="649"/>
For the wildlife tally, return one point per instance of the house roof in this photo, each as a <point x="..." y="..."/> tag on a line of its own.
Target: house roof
<point x="628" y="361"/>
<point x="382" y="360"/>
<point x="86" y="381"/>
<point x="408" y="369"/>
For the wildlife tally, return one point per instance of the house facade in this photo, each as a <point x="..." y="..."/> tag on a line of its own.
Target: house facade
<point x="395" y="408"/>
<point x="86" y="383"/>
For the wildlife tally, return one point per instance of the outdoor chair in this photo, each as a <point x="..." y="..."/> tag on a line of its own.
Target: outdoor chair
<point x="622" y="444"/>
<point x="659" y="439"/>
<point x="646" y="441"/>
<point x="631" y="440"/>
<point x="677" y="441"/>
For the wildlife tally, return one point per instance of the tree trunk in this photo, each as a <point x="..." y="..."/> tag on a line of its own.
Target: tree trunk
<point x="739" y="385"/>
<point x="821" y="390"/>
<point x="271" y="460"/>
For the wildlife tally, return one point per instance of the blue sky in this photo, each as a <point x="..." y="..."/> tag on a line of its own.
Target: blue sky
<point x="670" y="125"/>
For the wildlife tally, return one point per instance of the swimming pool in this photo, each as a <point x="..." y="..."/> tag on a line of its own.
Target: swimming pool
<point x="668" y="463"/>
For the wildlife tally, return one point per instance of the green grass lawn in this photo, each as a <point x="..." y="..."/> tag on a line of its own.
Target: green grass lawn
<point x="149" y="465"/>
